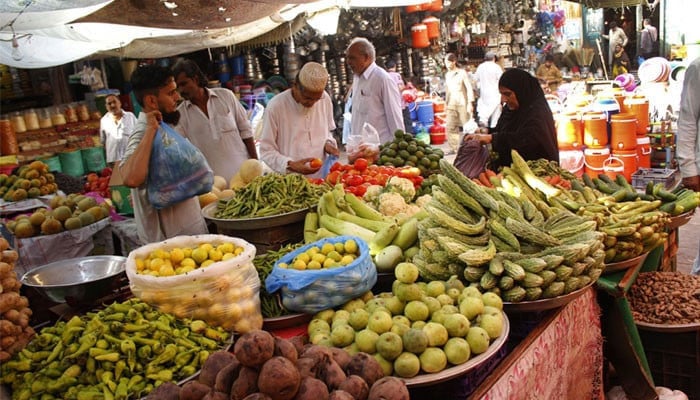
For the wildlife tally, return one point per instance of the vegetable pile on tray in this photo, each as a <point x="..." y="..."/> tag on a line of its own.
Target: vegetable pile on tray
<point x="271" y="194"/>
<point x="357" y="177"/>
<point x="122" y="351"/>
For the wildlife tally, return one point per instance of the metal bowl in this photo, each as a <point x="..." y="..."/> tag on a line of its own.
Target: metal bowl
<point x="77" y="279"/>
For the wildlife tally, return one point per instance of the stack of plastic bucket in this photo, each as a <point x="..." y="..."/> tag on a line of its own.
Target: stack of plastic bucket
<point x="624" y="142"/>
<point x="570" y="143"/>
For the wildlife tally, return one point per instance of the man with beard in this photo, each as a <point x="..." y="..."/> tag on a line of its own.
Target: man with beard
<point x="297" y="125"/>
<point x="213" y="120"/>
<point x="155" y="89"/>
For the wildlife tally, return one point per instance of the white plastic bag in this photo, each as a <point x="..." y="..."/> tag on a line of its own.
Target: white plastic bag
<point x="363" y="144"/>
<point x="225" y="293"/>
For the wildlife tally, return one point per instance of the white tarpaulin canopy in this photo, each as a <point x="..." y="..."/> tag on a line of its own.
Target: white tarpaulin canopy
<point x="56" y="32"/>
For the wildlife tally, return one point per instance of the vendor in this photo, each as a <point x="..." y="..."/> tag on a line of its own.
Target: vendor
<point x="297" y="125"/>
<point x="549" y="74"/>
<point x="526" y="124"/>
<point x="115" y="128"/>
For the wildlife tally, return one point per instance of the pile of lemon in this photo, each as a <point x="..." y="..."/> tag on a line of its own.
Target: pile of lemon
<point x="329" y="255"/>
<point x="181" y="260"/>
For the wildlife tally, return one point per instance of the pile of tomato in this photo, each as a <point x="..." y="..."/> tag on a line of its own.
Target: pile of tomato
<point x="99" y="182"/>
<point x="359" y="175"/>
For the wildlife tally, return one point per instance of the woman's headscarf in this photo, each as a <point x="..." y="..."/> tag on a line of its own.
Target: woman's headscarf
<point x="525" y="86"/>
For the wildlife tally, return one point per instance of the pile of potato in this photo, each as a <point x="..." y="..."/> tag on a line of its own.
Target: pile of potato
<point x="264" y="367"/>
<point x="15" y="331"/>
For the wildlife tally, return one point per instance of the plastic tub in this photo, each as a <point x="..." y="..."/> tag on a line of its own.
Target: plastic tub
<point x="594" y="159"/>
<point x="629" y="162"/>
<point x="572" y="161"/>
<point x="425" y="112"/>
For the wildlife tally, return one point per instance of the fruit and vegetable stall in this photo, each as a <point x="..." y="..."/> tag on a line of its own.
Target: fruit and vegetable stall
<point x="382" y="282"/>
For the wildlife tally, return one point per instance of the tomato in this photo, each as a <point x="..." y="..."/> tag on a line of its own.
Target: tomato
<point x="106" y="171"/>
<point x="334" y="177"/>
<point x="417" y="181"/>
<point x="336" y="166"/>
<point x="361" y="164"/>
<point x="381" y="179"/>
<point x="360" y="190"/>
<point x="353" y="180"/>
<point x="316" y="163"/>
<point x="92" y="177"/>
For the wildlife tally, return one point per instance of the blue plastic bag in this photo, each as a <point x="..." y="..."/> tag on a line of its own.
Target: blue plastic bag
<point x="327" y="164"/>
<point x="311" y="291"/>
<point x="177" y="169"/>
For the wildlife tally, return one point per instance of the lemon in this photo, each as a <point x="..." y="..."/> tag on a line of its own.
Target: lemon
<point x="225" y="248"/>
<point x="339" y="247"/>
<point x="347" y="259"/>
<point x="215" y="255"/>
<point x="160" y="253"/>
<point x="177" y="255"/>
<point x="187" y="252"/>
<point x="206" y="263"/>
<point x="327" y="248"/>
<point x="313" y="265"/>
<point x="329" y="263"/>
<point x="166" y="270"/>
<point x="238" y="250"/>
<point x="206" y="246"/>
<point x="140" y="264"/>
<point x="350" y="246"/>
<point x="188" y="269"/>
<point x="334" y="255"/>
<point x="156" y="263"/>
<point x="283" y="265"/>
<point x="299" y="264"/>
<point x="313" y="250"/>
<point x="227" y="256"/>
<point x="319" y="257"/>
<point x="234" y="311"/>
<point x="188" y="262"/>
<point x="199" y="255"/>
<point x="305" y="257"/>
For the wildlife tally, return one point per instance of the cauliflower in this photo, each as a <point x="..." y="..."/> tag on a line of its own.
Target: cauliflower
<point x="423" y="200"/>
<point x="372" y="194"/>
<point x="402" y="186"/>
<point x="391" y="203"/>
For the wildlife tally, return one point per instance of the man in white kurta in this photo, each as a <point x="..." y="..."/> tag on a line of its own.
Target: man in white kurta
<point x="297" y="125"/>
<point x="115" y="128"/>
<point x="375" y="95"/>
<point x="488" y="106"/>
<point x="214" y="121"/>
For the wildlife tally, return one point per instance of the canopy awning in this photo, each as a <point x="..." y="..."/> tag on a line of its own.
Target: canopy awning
<point x="609" y="3"/>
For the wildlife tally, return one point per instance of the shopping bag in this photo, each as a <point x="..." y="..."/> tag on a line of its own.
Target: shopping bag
<point x="363" y="144"/>
<point x="177" y="169"/>
<point x="327" y="164"/>
<point x="471" y="158"/>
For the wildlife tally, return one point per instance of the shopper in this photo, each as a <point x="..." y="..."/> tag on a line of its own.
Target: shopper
<point x="391" y="69"/>
<point x="615" y="36"/>
<point x="549" y="74"/>
<point x="155" y="90"/>
<point x="688" y="136"/>
<point x="297" y="125"/>
<point x="376" y="98"/>
<point x="488" y="105"/>
<point x="459" y="101"/>
<point x="621" y="62"/>
<point x="526" y="124"/>
<point x="649" y="40"/>
<point x="213" y="120"/>
<point x="115" y="128"/>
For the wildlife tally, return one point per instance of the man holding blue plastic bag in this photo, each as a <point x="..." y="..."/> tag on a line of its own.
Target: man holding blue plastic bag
<point x="155" y="90"/>
<point x="297" y="125"/>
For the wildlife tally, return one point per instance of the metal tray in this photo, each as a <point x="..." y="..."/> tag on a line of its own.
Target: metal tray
<point x="624" y="265"/>
<point x="472" y="363"/>
<point x="545" y="304"/>
<point x="668" y="328"/>
<point x="680" y="220"/>
<point x="246" y="224"/>
<point x="285" y="321"/>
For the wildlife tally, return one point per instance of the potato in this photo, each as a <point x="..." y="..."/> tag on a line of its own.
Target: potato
<point x="341" y="356"/>
<point x="307" y="367"/>
<point x="356" y="386"/>
<point x="245" y="384"/>
<point x="193" y="390"/>
<point x="340" y="395"/>
<point x="279" y="378"/>
<point x="226" y="377"/>
<point x="285" y="348"/>
<point x="299" y="342"/>
<point x="216" y="361"/>
<point x="312" y="389"/>
<point x="332" y="374"/>
<point x="389" y="388"/>
<point x="254" y="348"/>
<point x="318" y="353"/>
<point x="4" y="356"/>
<point x="214" y="395"/>
<point x="366" y="367"/>
<point x="165" y="391"/>
<point x="9" y="256"/>
<point x="8" y="301"/>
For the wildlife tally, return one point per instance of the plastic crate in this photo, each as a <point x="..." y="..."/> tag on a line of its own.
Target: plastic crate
<point x="642" y="176"/>
<point x="674" y="359"/>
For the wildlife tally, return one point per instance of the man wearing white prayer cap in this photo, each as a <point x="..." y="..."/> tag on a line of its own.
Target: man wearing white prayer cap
<point x="298" y="124"/>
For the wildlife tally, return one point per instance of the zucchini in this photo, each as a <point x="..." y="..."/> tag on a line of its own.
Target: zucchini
<point x="408" y="234"/>
<point x="362" y="209"/>
<point x="310" y="227"/>
<point x="520" y="166"/>
<point x="383" y="238"/>
<point x="340" y="227"/>
<point x="587" y="180"/>
<point x="370" y="224"/>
